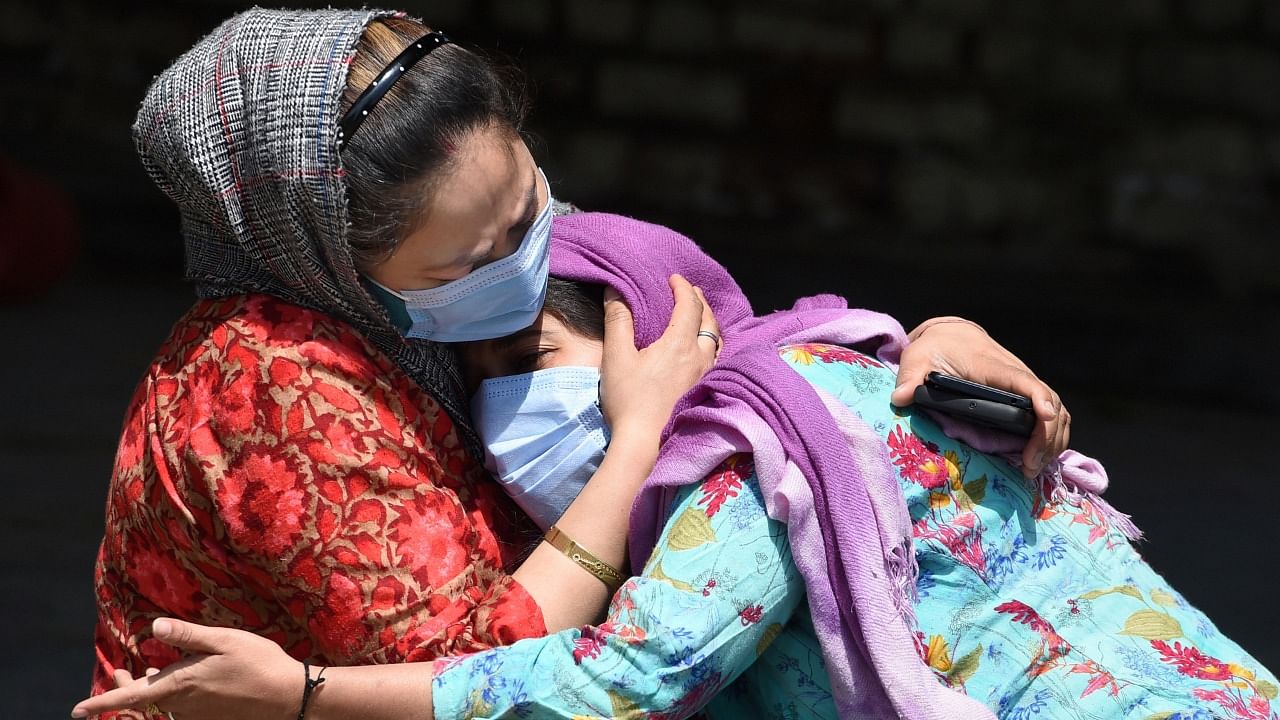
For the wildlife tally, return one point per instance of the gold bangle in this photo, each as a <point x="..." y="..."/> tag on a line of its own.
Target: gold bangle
<point x="603" y="571"/>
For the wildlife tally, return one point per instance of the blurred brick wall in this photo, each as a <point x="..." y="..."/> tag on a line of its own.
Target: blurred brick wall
<point x="1045" y="166"/>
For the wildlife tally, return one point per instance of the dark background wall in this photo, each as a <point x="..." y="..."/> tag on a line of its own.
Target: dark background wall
<point x="1096" y="181"/>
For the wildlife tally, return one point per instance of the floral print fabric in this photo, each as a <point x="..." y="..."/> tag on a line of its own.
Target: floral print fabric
<point x="717" y="590"/>
<point x="276" y="473"/>
<point x="1036" y="607"/>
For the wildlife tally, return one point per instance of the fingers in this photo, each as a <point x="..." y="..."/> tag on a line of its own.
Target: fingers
<point x="190" y="636"/>
<point x="709" y="321"/>
<point x="708" y="324"/>
<point x="130" y="692"/>
<point x="686" y="316"/>
<point x="122" y="678"/>
<point x="1052" y="435"/>
<point x="911" y="374"/>
<point x="136" y="694"/>
<point x="619" y="327"/>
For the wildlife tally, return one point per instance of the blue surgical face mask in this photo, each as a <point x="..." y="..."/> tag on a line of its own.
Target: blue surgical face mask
<point x="491" y="301"/>
<point x="544" y="436"/>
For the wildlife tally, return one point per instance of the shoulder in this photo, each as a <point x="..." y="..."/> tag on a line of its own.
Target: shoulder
<point x="240" y="332"/>
<point x="251" y="364"/>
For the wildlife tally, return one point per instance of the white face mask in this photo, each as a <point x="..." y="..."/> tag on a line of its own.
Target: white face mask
<point x="544" y="436"/>
<point x="491" y="301"/>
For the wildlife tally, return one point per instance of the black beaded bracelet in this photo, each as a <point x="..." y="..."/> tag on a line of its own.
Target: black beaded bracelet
<point x="309" y="686"/>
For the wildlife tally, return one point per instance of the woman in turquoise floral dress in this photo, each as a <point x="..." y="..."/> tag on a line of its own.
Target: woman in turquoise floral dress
<point x="1036" y="607"/>
<point x="1027" y="600"/>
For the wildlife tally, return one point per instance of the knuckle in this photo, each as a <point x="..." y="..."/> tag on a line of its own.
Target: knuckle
<point x="183" y="680"/>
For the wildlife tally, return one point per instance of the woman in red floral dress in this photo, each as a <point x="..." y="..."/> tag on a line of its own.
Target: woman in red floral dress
<point x="297" y="460"/>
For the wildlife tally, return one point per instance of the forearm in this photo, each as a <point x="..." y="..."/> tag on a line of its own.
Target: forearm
<point x="372" y="692"/>
<point x="688" y="627"/>
<point x="567" y="594"/>
<point x="922" y="327"/>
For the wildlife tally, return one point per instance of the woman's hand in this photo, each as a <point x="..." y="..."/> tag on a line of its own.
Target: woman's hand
<point x="233" y="674"/>
<point x="958" y="347"/>
<point x="639" y="388"/>
<point x="638" y="391"/>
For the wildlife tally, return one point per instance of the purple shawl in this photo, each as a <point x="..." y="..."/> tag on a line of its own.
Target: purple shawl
<point x="822" y="471"/>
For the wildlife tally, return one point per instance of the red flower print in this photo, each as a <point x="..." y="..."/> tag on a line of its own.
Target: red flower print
<point x="917" y="462"/>
<point x="1191" y="662"/>
<point x="922" y="647"/>
<point x="264" y="501"/>
<point x="169" y="583"/>
<point x="725" y="484"/>
<point x="1260" y="706"/>
<point x="837" y="353"/>
<point x="696" y="697"/>
<point x="433" y="554"/>
<point x="1100" y="678"/>
<point x="751" y="614"/>
<point x="337" y="397"/>
<point x="1025" y="614"/>
<point x="277" y="473"/>
<point x="283" y="371"/>
<point x="622" y="599"/>
<point x="1235" y="704"/>
<point x="1055" y="646"/>
<point x="965" y="543"/>
<point x="969" y="553"/>
<point x="387" y="594"/>
<point x="591" y="642"/>
<point x="1092" y="519"/>
<point x="631" y="634"/>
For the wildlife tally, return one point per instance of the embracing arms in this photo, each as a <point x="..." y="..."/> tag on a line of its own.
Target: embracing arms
<point x="719" y="585"/>
<point x="364" y="685"/>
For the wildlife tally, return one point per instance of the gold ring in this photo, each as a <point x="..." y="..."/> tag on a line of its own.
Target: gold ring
<point x="153" y="709"/>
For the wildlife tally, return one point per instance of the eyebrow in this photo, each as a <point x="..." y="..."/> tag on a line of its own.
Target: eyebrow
<point x="531" y="197"/>
<point x="506" y="342"/>
<point x="526" y="213"/>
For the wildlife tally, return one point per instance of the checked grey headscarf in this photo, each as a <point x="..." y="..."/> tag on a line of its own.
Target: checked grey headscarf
<point x="240" y="133"/>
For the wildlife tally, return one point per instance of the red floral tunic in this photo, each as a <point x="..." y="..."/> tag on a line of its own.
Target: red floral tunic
<point x="277" y="473"/>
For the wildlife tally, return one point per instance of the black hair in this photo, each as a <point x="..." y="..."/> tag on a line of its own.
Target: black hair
<point x="410" y="137"/>
<point x="579" y="305"/>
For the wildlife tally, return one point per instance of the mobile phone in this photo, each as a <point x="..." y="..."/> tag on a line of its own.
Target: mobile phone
<point x="979" y="404"/>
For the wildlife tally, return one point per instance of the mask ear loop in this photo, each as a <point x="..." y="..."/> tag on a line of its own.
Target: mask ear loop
<point x="384" y="287"/>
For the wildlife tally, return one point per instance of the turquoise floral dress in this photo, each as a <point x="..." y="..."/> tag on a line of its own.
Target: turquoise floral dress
<point x="1037" y="608"/>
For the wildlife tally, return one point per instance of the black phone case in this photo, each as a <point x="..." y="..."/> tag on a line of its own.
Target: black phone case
<point x="987" y="413"/>
<point x="965" y="388"/>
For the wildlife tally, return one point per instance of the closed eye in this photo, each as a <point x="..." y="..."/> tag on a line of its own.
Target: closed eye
<point x="532" y="360"/>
